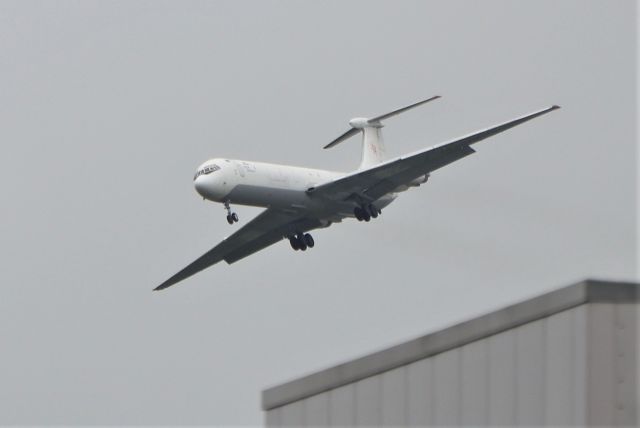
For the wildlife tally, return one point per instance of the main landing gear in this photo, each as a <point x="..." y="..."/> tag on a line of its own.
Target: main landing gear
<point x="366" y="212"/>
<point x="231" y="216"/>
<point x="301" y="241"/>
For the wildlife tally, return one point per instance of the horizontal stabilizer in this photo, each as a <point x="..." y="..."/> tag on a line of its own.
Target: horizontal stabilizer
<point x="402" y="110"/>
<point x="374" y="122"/>
<point x="350" y="133"/>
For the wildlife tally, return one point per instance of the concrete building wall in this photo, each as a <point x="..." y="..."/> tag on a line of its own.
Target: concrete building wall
<point x="576" y="366"/>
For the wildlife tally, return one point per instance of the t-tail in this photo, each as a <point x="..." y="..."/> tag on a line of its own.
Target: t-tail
<point x="373" y="150"/>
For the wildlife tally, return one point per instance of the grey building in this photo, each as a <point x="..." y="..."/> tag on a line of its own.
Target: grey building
<point x="568" y="357"/>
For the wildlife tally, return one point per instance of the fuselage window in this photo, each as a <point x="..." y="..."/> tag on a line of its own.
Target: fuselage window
<point x="206" y="170"/>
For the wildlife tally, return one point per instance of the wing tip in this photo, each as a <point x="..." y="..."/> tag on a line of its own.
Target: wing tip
<point x="555" y="107"/>
<point x="435" y="97"/>
<point x="168" y="283"/>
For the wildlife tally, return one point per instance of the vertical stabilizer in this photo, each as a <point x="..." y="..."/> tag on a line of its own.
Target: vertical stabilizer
<point x="373" y="150"/>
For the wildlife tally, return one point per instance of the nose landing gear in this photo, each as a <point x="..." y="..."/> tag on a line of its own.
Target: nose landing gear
<point x="231" y="216"/>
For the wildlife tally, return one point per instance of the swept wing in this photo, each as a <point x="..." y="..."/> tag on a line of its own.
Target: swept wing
<point x="376" y="182"/>
<point x="269" y="227"/>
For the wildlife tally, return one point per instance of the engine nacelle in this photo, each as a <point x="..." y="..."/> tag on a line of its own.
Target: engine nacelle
<point x="418" y="181"/>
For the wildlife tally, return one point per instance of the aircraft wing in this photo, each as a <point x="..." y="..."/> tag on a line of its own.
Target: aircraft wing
<point x="381" y="179"/>
<point x="266" y="229"/>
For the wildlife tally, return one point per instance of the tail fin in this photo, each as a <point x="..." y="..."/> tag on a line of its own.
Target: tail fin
<point x="373" y="150"/>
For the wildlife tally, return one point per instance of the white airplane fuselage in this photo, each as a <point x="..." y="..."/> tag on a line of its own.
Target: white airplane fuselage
<point x="260" y="184"/>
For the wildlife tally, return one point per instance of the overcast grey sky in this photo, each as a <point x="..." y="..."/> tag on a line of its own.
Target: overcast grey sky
<point x="107" y="108"/>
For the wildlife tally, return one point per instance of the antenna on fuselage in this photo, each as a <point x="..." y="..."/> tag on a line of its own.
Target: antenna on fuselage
<point x="373" y="150"/>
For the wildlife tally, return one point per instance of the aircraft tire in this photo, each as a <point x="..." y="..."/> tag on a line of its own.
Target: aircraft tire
<point x="373" y="210"/>
<point x="308" y="240"/>
<point x="294" y="243"/>
<point x="301" y="242"/>
<point x="357" y="211"/>
<point x="234" y="217"/>
<point x="366" y="216"/>
<point x="229" y="219"/>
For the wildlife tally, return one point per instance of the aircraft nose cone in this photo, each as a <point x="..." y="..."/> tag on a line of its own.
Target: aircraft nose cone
<point x="201" y="186"/>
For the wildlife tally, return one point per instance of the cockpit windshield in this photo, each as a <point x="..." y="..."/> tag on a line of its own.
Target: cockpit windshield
<point x="208" y="169"/>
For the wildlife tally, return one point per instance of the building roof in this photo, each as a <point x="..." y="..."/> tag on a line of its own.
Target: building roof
<point x="449" y="338"/>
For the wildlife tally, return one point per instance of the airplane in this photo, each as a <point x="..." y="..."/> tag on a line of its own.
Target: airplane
<point x="299" y="200"/>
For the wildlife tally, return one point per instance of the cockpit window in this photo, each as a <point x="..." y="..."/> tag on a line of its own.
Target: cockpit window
<point x="208" y="169"/>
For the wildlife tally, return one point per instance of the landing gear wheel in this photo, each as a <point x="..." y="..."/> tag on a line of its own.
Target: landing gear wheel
<point x="302" y="243"/>
<point x="366" y="216"/>
<point x="231" y="216"/>
<point x="357" y="211"/>
<point x="373" y="210"/>
<point x="294" y="243"/>
<point x="308" y="239"/>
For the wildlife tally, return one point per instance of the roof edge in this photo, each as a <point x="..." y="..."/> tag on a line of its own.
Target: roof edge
<point x="590" y="290"/>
